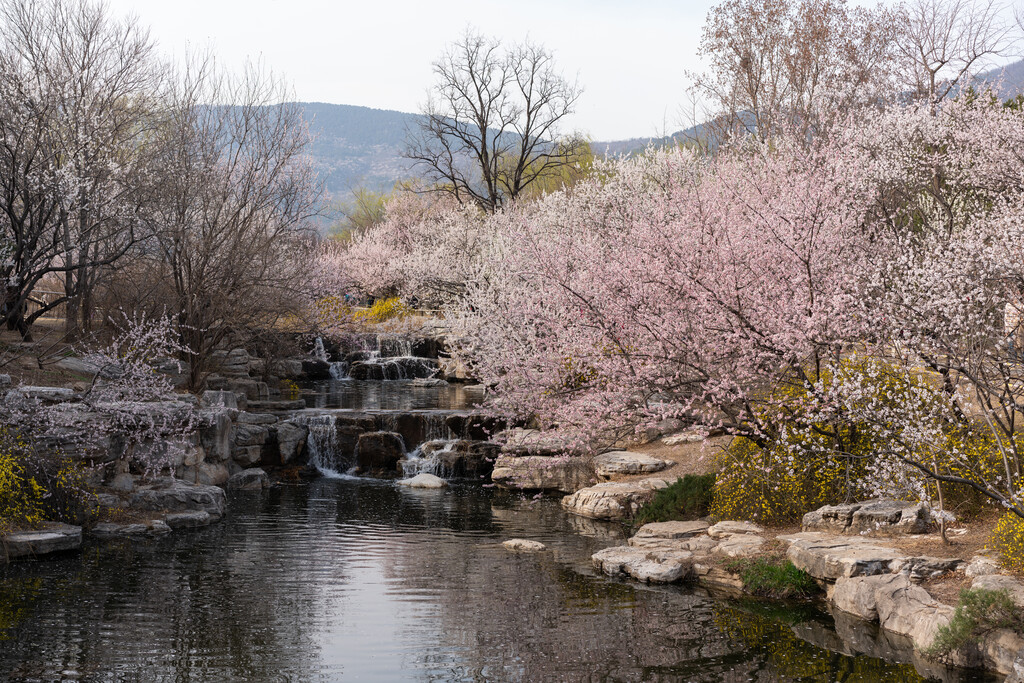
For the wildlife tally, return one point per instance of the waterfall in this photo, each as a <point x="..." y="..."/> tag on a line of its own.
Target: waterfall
<point x="339" y="370"/>
<point x="322" y="443"/>
<point x="319" y="352"/>
<point x="394" y="346"/>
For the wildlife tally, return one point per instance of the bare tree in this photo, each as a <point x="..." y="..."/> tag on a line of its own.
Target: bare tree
<point x="491" y="125"/>
<point x="943" y="44"/>
<point x="780" y="63"/>
<point x="76" y="95"/>
<point x="231" y="221"/>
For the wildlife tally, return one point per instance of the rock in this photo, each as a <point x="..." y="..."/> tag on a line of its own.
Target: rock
<point x="424" y="481"/>
<point x="429" y="382"/>
<point x="650" y="566"/>
<point x="542" y="473"/>
<point x="856" y="595"/>
<point x="253" y="479"/>
<point x="1016" y="670"/>
<point x="829" y="558"/>
<point x="5" y="381"/>
<point x="683" y="437"/>
<point x="715" y="576"/>
<point x="215" y="434"/>
<point x="46" y="394"/>
<point x="980" y="565"/>
<point x="882" y="516"/>
<point x="671" y="530"/>
<point x="523" y="545"/>
<point x="291" y="441"/>
<point x="996" y="582"/>
<point x="219" y="399"/>
<point x="315" y="369"/>
<point x="187" y="520"/>
<point x="275" y="406"/>
<point x="255" y="418"/>
<point x="52" y="538"/>
<point x="624" y="462"/>
<point x="726" y="529"/>
<point x="909" y="610"/>
<point x="181" y="496"/>
<point x="922" y="568"/>
<point x="739" y="545"/>
<point x="379" y="452"/>
<point x="123" y="482"/>
<point x="612" y="500"/>
<point x="111" y="530"/>
<point x="204" y="474"/>
<point x="524" y="442"/>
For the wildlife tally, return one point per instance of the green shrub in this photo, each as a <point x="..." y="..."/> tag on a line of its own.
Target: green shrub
<point x="774" y="577"/>
<point x="688" y="498"/>
<point x="978" y="612"/>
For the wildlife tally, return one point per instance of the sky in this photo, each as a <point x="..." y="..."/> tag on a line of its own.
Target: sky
<point x="631" y="57"/>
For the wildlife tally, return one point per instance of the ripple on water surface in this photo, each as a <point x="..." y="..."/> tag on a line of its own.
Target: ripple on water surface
<point x="364" y="580"/>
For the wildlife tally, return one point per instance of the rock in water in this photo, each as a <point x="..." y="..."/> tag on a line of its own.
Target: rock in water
<point x="253" y="479"/>
<point x="523" y="545"/>
<point x="424" y="481"/>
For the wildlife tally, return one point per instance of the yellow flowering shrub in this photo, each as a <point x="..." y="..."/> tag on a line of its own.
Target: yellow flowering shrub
<point x="331" y="312"/>
<point x="289" y="390"/>
<point x="21" y="496"/>
<point x="383" y="310"/>
<point x="1008" y="539"/>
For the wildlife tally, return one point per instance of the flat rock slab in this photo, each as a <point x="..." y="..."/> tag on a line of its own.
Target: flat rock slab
<point x="624" y="462"/>
<point x="727" y="528"/>
<point x="52" y="538"/>
<point x="180" y="496"/>
<point x="612" y="500"/>
<point x="880" y="516"/>
<point x="740" y="545"/>
<point x="523" y="545"/>
<point x="111" y="530"/>
<point x="829" y="557"/>
<point x="672" y="530"/>
<point x="649" y="566"/>
<point x="424" y="480"/>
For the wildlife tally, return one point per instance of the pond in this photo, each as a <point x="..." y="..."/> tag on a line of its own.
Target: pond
<point x="359" y="579"/>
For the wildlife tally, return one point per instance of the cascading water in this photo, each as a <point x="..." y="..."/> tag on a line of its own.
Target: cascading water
<point x="322" y="443"/>
<point x="391" y="357"/>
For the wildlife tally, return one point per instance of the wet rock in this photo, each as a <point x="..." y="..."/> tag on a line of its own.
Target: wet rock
<point x="649" y="566"/>
<point x="727" y="528"/>
<point x="379" y="452"/>
<point x="188" y="520"/>
<point x="462" y="458"/>
<point x="829" y="558"/>
<point x="181" y="496"/>
<point x="542" y="473"/>
<point x="882" y="516"/>
<point x="523" y="545"/>
<point x="53" y="537"/>
<point x="624" y="462"/>
<point x="291" y="441"/>
<point x="612" y="500"/>
<point x="424" y="480"/>
<point x="253" y="479"/>
<point x="111" y="530"/>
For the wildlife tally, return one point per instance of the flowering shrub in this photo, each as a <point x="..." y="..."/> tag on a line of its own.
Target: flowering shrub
<point x="384" y="310"/>
<point x="1008" y="539"/>
<point x="21" y="496"/>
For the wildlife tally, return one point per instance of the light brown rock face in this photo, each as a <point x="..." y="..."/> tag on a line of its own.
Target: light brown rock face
<point x="624" y="462"/>
<point x="649" y="566"/>
<point x="828" y="557"/>
<point x="883" y="517"/>
<point x="523" y="545"/>
<point x="727" y="529"/>
<point x="996" y="582"/>
<point x="612" y="500"/>
<point x="897" y="604"/>
<point x="740" y="545"/>
<point x="535" y="472"/>
<point x="671" y="530"/>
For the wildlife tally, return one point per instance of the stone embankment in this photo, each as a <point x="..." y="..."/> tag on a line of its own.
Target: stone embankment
<point x="851" y="551"/>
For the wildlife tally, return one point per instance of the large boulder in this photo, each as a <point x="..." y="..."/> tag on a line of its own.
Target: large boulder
<point x="612" y="500"/>
<point x="624" y="462"/>
<point x="881" y="516"/>
<point x="542" y="473"/>
<point x="253" y="479"/>
<point x="175" y="495"/>
<point x="226" y="400"/>
<point x="462" y="458"/>
<point x="829" y="557"/>
<point x="650" y="566"/>
<point x="379" y="453"/>
<point x="896" y="603"/>
<point x="291" y="441"/>
<point x="53" y="537"/>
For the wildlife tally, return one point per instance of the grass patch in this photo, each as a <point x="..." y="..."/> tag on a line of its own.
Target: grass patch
<point x="773" y="576"/>
<point x="688" y="498"/>
<point x="978" y="612"/>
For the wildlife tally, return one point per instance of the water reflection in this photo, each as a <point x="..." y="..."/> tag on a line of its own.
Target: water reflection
<point x="400" y="395"/>
<point x="345" y="580"/>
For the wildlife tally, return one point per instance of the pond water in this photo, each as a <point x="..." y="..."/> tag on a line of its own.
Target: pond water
<point x="349" y="579"/>
<point x="394" y="395"/>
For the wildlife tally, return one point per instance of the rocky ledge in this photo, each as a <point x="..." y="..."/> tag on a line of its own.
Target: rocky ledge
<point x="52" y="537"/>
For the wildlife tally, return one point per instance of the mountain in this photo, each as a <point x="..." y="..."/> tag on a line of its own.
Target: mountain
<point x="357" y="146"/>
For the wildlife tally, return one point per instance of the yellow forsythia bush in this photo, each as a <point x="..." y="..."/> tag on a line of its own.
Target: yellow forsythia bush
<point x="1008" y="539"/>
<point x="21" y="496"/>
<point x="384" y="309"/>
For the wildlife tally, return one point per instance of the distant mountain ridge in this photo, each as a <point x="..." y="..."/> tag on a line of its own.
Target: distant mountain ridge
<point x="357" y="146"/>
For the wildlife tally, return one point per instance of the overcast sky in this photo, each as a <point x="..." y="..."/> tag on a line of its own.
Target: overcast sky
<point x="630" y="56"/>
